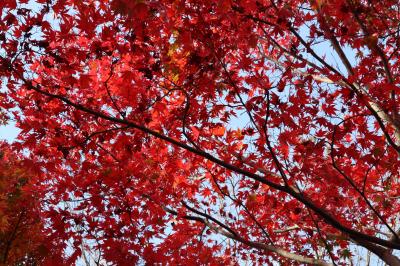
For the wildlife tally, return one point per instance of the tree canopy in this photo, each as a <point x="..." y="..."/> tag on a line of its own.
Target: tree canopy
<point x="23" y="236"/>
<point x="208" y="132"/>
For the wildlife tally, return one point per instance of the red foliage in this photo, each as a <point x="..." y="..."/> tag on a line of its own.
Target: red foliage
<point x="163" y="128"/>
<point x="23" y="237"/>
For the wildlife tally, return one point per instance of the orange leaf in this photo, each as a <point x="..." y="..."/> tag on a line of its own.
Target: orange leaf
<point x="218" y="131"/>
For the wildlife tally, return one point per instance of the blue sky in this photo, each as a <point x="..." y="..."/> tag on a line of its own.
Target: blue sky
<point x="8" y="132"/>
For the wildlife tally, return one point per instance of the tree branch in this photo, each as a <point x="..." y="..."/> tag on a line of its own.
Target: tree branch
<point x="303" y="199"/>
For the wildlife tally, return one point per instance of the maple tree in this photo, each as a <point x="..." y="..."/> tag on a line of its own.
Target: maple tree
<point x="23" y="238"/>
<point x="210" y="132"/>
